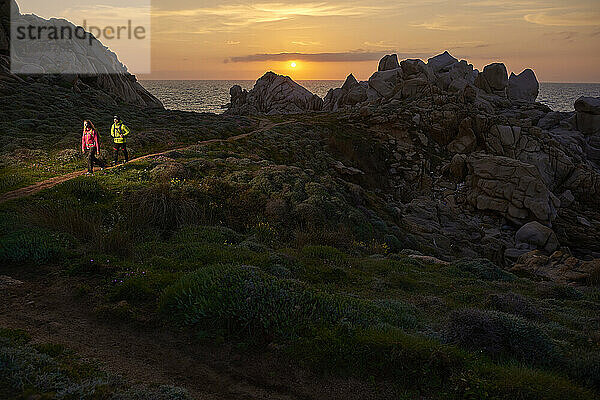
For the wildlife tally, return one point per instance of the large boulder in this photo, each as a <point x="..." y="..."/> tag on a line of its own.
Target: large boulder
<point x="588" y="115"/>
<point x="441" y="62"/>
<point x="351" y="93"/>
<point x="537" y="236"/>
<point x="466" y="141"/>
<point x="458" y="76"/>
<point x="274" y="94"/>
<point x="414" y="68"/>
<point x="493" y="79"/>
<point x="388" y="62"/>
<point x="524" y="86"/>
<point x="85" y="64"/>
<point x="510" y="187"/>
<point x="386" y="83"/>
<point x="588" y="105"/>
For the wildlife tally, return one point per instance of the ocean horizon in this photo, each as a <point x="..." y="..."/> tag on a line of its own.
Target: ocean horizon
<point x="212" y="95"/>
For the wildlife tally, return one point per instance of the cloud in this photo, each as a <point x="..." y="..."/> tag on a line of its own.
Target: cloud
<point x="575" y="18"/>
<point x="303" y="43"/>
<point x="350" y="56"/>
<point x="246" y="14"/>
<point x="469" y="45"/>
<point x="380" y="43"/>
<point x="443" y="23"/>
<point x="568" y="36"/>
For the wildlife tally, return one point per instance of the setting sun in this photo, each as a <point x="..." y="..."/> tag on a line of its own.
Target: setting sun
<point x="293" y="65"/>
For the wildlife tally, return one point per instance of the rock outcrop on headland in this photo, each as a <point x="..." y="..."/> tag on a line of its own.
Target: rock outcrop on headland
<point x="104" y="71"/>
<point x="523" y="86"/>
<point x="476" y="167"/>
<point x="273" y="94"/>
<point x="351" y="93"/>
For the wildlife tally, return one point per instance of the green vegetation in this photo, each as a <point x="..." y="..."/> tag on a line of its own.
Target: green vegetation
<point x="36" y="145"/>
<point x="49" y="371"/>
<point x="260" y="243"/>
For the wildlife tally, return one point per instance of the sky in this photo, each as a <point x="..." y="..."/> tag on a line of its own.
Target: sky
<point x="233" y="40"/>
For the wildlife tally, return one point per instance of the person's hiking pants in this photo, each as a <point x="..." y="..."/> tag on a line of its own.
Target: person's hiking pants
<point x="92" y="159"/>
<point x="118" y="147"/>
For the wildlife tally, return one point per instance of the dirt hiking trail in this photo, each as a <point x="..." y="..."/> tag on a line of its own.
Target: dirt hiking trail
<point x="51" y="182"/>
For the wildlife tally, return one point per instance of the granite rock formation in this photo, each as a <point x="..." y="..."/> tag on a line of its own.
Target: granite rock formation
<point x="476" y="167"/>
<point x="104" y="71"/>
<point x="523" y="86"/>
<point x="273" y="94"/>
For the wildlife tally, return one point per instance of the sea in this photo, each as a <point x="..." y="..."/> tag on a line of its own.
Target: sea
<point x="212" y="96"/>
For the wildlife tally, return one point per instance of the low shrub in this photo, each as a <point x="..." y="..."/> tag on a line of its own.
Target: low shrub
<point x="265" y="234"/>
<point x="483" y="269"/>
<point x="515" y="382"/>
<point x="207" y="234"/>
<point x="15" y="336"/>
<point x="550" y="290"/>
<point x="50" y="372"/>
<point x="584" y="366"/>
<point x="393" y="243"/>
<point x="594" y="278"/>
<point x="161" y="208"/>
<point x="326" y="254"/>
<point x="164" y="392"/>
<point x="513" y="303"/>
<point x="84" y="225"/>
<point x="138" y="287"/>
<point x="246" y="301"/>
<point x="410" y="361"/>
<point x="499" y="335"/>
<point x="31" y="247"/>
<point x="84" y="189"/>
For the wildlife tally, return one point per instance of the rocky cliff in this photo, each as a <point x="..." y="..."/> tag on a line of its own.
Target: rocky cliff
<point x="475" y="166"/>
<point x="273" y="94"/>
<point x="106" y="73"/>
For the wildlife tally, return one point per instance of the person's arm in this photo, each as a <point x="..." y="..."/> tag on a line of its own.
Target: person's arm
<point x="125" y="130"/>
<point x="112" y="130"/>
<point x="97" y="142"/>
<point x="83" y="142"/>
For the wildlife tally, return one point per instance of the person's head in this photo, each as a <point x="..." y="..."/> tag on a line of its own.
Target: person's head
<point x="87" y="124"/>
<point x="116" y="119"/>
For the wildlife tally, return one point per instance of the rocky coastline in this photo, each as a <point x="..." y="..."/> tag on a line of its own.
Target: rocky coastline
<point x="476" y="166"/>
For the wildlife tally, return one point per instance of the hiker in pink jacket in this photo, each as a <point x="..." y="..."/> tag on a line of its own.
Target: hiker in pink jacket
<point x="90" y="142"/>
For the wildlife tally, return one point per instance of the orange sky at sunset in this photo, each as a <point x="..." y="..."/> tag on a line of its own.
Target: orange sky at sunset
<point x="559" y="39"/>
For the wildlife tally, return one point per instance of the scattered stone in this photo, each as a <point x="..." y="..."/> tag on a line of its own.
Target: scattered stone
<point x="7" y="281"/>
<point x="428" y="259"/>
<point x="559" y="267"/>
<point x="537" y="236"/>
<point x="583" y="221"/>
<point x="566" y="199"/>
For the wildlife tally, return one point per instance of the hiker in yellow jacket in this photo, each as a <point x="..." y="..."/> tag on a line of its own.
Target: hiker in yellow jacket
<point x="119" y="133"/>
